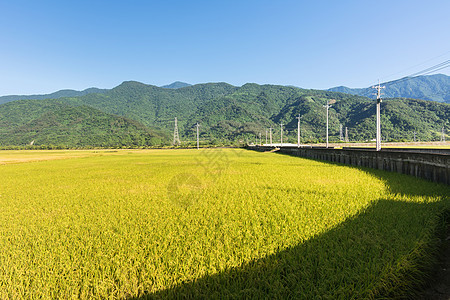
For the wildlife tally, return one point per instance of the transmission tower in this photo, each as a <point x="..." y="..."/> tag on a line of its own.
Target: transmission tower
<point x="443" y="135"/>
<point x="378" y="88"/>
<point x="346" y="134"/>
<point x="176" y="137"/>
<point x="341" y="134"/>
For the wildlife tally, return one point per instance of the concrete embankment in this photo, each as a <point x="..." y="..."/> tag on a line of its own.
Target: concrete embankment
<point x="430" y="164"/>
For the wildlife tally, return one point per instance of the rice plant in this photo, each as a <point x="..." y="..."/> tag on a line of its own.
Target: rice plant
<point x="211" y="223"/>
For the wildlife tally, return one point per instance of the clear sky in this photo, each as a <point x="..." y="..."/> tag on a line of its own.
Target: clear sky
<point x="46" y="45"/>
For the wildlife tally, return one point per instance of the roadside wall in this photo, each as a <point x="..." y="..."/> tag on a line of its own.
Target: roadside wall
<point x="430" y="166"/>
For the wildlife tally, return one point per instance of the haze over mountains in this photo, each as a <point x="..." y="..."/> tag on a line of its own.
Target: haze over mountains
<point x="431" y="87"/>
<point x="137" y="114"/>
<point x="176" y="85"/>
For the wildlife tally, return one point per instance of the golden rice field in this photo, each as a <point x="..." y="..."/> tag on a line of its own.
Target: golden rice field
<point x="209" y="224"/>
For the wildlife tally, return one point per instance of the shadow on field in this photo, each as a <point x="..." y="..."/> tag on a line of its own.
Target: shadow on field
<point x="337" y="264"/>
<point x="342" y="263"/>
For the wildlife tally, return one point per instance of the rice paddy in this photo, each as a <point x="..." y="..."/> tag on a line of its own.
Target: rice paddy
<point x="222" y="223"/>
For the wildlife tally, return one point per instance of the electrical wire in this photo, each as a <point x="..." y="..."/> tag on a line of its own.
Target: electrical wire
<point x="426" y="71"/>
<point x="430" y="68"/>
<point x="420" y="64"/>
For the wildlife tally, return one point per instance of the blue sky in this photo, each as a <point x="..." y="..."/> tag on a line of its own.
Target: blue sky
<point x="46" y="46"/>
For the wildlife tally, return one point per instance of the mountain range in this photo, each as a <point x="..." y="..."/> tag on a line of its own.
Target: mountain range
<point x="137" y="114"/>
<point x="73" y="93"/>
<point x="431" y="87"/>
<point x="55" y="95"/>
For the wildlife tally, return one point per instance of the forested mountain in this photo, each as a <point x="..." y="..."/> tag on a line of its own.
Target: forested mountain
<point x="176" y="85"/>
<point x="226" y="114"/>
<point x="431" y="87"/>
<point x="52" y="122"/>
<point x="55" y="95"/>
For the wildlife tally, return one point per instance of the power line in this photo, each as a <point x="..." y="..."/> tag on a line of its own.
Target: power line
<point x="426" y="71"/>
<point x="431" y="68"/>
<point x="437" y="69"/>
<point x="420" y="64"/>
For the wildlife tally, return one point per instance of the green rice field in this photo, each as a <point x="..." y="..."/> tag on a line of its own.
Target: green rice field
<point x="222" y="223"/>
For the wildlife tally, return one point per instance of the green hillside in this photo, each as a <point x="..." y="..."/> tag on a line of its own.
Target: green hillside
<point x="55" y="95"/>
<point x="400" y="118"/>
<point x="150" y="104"/>
<point x="56" y="123"/>
<point x="226" y="114"/>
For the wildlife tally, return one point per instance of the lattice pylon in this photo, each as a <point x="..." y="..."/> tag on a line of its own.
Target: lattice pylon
<point x="176" y="136"/>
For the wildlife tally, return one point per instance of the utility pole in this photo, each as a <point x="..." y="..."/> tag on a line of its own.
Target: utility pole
<point x="198" y="143"/>
<point x="270" y="129"/>
<point x="327" y="107"/>
<point x="378" y="88"/>
<point x="176" y="137"/>
<point x="346" y="134"/>
<point x="298" y="130"/>
<point x="260" y="141"/>
<point x="281" y="126"/>
<point x="266" y="135"/>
